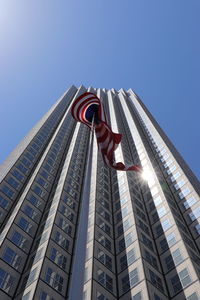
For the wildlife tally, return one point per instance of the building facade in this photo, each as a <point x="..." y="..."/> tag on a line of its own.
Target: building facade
<point x="71" y="228"/>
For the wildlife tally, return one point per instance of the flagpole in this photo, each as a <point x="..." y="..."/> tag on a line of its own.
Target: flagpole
<point x="78" y="265"/>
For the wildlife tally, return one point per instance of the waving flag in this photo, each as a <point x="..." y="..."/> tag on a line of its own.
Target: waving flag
<point x="87" y="109"/>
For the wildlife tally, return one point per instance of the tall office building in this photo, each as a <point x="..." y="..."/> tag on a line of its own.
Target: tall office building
<point x="72" y="228"/>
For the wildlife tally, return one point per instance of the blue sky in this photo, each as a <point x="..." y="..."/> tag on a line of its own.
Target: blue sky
<point x="152" y="47"/>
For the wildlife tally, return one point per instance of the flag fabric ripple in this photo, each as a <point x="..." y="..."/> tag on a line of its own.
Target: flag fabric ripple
<point x="87" y="109"/>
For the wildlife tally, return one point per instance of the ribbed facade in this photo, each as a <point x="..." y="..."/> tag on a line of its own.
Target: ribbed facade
<point x="72" y="228"/>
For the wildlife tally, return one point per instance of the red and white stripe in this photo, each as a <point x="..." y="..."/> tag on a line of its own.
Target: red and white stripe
<point x="107" y="140"/>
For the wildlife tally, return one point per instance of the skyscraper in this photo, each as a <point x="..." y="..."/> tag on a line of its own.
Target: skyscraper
<point x="72" y="228"/>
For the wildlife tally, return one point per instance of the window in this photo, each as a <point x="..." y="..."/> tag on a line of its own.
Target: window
<point x="61" y="240"/>
<point x="24" y="224"/>
<point x="154" y="191"/>
<point x="156" y="297"/>
<point x="171" y="239"/>
<point x="197" y="227"/>
<point x="7" y="191"/>
<point x="22" y="168"/>
<point x="157" y="200"/>
<point x="127" y="259"/>
<point x="31" y="277"/>
<point x="13" y="182"/>
<point x="45" y="296"/>
<point x="19" y="240"/>
<point x="184" y="277"/>
<point x="166" y="224"/>
<point x="184" y="193"/>
<point x="156" y="281"/>
<point x="64" y="225"/>
<point x="105" y="280"/>
<point x="175" y="176"/>
<point x="105" y="259"/>
<point x="26" y="296"/>
<point x="12" y="258"/>
<point x="189" y="202"/>
<point x="101" y="297"/>
<point x="137" y="296"/>
<point x="151" y="259"/>
<point x="54" y="279"/>
<point x="177" y="257"/>
<point x="67" y="213"/>
<point x="130" y="280"/>
<point x="3" y="202"/>
<point x="162" y="211"/>
<point x="30" y="212"/>
<point x="179" y="184"/>
<point x="104" y="241"/>
<point x="195" y="214"/>
<point x="58" y="258"/>
<point x="147" y="242"/>
<point x="169" y="262"/>
<point x="36" y="202"/>
<point x="181" y="280"/>
<point x="144" y="227"/>
<point x="38" y="191"/>
<point x="5" y="280"/>
<point x="171" y="169"/>
<point x="69" y="202"/>
<point x="18" y="175"/>
<point x="194" y="296"/>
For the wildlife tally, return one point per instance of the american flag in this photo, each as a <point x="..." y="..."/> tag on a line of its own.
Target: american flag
<point x="87" y="109"/>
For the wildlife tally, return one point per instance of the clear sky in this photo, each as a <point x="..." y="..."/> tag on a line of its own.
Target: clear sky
<point x="151" y="46"/>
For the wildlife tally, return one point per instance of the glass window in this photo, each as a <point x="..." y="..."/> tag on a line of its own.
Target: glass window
<point x="32" y="276"/>
<point x="162" y="211"/>
<point x="184" y="277"/>
<point x="197" y="227"/>
<point x="45" y="296"/>
<point x="184" y="193"/>
<point x="54" y="279"/>
<point x="166" y="224"/>
<point x="177" y="257"/>
<point x="3" y="202"/>
<point x="175" y="176"/>
<point x="171" y="169"/>
<point x="194" y="296"/>
<point x="6" y="280"/>
<point x="179" y="184"/>
<point x="130" y="280"/>
<point x="30" y="212"/>
<point x="105" y="259"/>
<point x="156" y="280"/>
<point x="65" y="226"/>
<point x="19" y="240"/>
<point x="12" y="258"/>
<point x="189" y="202"/>
<point x="24" y="224"/>
<point x="169" y="262"/>
<point x="61" y="240"/>
<point x="151" y="259"/>
<point x="171" y="239"/>
<point x="100" y="296"/>
<point x="137" y="296"/>
<point x="18" y="175"/>
<point x="105" y="280"/>
<point x="147" y="242"/>
<point x="195" y="214"/>
<point x="36" y="202"/>
<point x="157" y="200"/>
<point x="104" y="241"/>
<point x="13" y="182"/>
<point x="7" y="191"/>
<point x="58" y="258"/>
